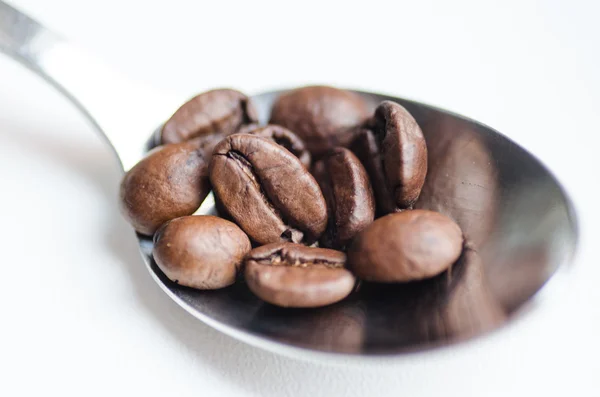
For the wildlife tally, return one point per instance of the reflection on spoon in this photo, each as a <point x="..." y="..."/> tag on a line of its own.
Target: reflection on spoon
<point x="462" y="178"/>
<point x="386" y="318"/>
<point x="512" y="213"/>
<point x="339" y="327"/>
<point x="453" y="306"/>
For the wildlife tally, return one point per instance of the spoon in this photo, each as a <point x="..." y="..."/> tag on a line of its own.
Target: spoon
<point x="518" y="221"/>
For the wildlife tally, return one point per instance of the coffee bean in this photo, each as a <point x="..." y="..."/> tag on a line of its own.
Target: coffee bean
<point x="282" y="136"/>
<point x="293" y="275"/>
<point x="220" y="112"/>
<point x="267" y="190"/>
<point x="347" y="190"/>
<point x="171" y="181"/>
<point x="366" y="148"/>
<point x="392" y="148"/>
<point x="406" y="246"/>
<point x="201" y="252"/>
<point x="320" y="116"/>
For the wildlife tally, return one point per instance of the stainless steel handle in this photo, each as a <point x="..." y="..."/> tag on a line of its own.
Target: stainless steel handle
<point x="125" y="113"/>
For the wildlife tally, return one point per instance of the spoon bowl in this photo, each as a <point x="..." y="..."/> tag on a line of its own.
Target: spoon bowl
<point x="519" y="223"/>
<point x="519" y="227"/>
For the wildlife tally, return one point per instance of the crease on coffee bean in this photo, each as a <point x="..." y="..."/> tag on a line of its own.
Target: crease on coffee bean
<point x="281" y="258"/>
<point x="331" y="233"/>
<point x="379" y="129"/>
<point x="248" y="169"/>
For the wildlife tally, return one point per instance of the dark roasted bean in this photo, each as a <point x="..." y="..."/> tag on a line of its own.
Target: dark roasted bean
<point x="267" y="190"/>
<point x="293" y="275"/>
<point x="406" y="246"/>
<point x="200" y="251"/>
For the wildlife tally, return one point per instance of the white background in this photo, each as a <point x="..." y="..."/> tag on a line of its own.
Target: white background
<point x="79" y="313"/>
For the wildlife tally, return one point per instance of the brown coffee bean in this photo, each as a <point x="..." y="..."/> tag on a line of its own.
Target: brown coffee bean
<point x="201" y="252"/>
<point x="293" y="275"/>
<point x="171" y="181"/>
<point x="392" y="148"/>
<point x="267" y="190"/>
<point x="366" y="148"/>
<point x="220" y="112"/>
<point x="320" y="116"/>
<point x="406" y="246"/>
<point x="347" y="190"/>
<point x="284" y="137"/>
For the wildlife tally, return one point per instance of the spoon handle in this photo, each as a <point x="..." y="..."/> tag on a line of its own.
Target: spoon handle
<point x="125" y="113"/>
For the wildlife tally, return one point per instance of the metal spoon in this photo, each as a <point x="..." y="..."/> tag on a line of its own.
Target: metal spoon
<point x="518" y="220"/>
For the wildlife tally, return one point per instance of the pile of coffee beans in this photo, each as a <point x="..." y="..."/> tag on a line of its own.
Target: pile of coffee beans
<point x="309" y="205"/>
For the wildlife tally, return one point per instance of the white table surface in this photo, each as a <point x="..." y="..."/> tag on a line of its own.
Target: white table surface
<point x="81" y="316"/>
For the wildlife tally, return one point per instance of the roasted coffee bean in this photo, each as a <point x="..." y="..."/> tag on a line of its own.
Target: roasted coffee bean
<point x="293" y="275"/>
<point x="286" y="138"/>
<point x="320" y="116"/>
<point x="201" y="251"/>
<point x="267" y="190"/>
<point x="347" y="190"/>
<point x="406" y="246"/>
<point x="221" y="112"/>
<point x="393" y="151"/>
<point x="171" y="181"/>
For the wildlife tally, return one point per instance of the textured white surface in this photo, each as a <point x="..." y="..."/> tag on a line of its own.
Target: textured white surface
<point x="80" y="315"/>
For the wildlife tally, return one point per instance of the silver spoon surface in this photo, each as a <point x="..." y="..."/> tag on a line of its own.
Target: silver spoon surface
<point x="520" y="224"/>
